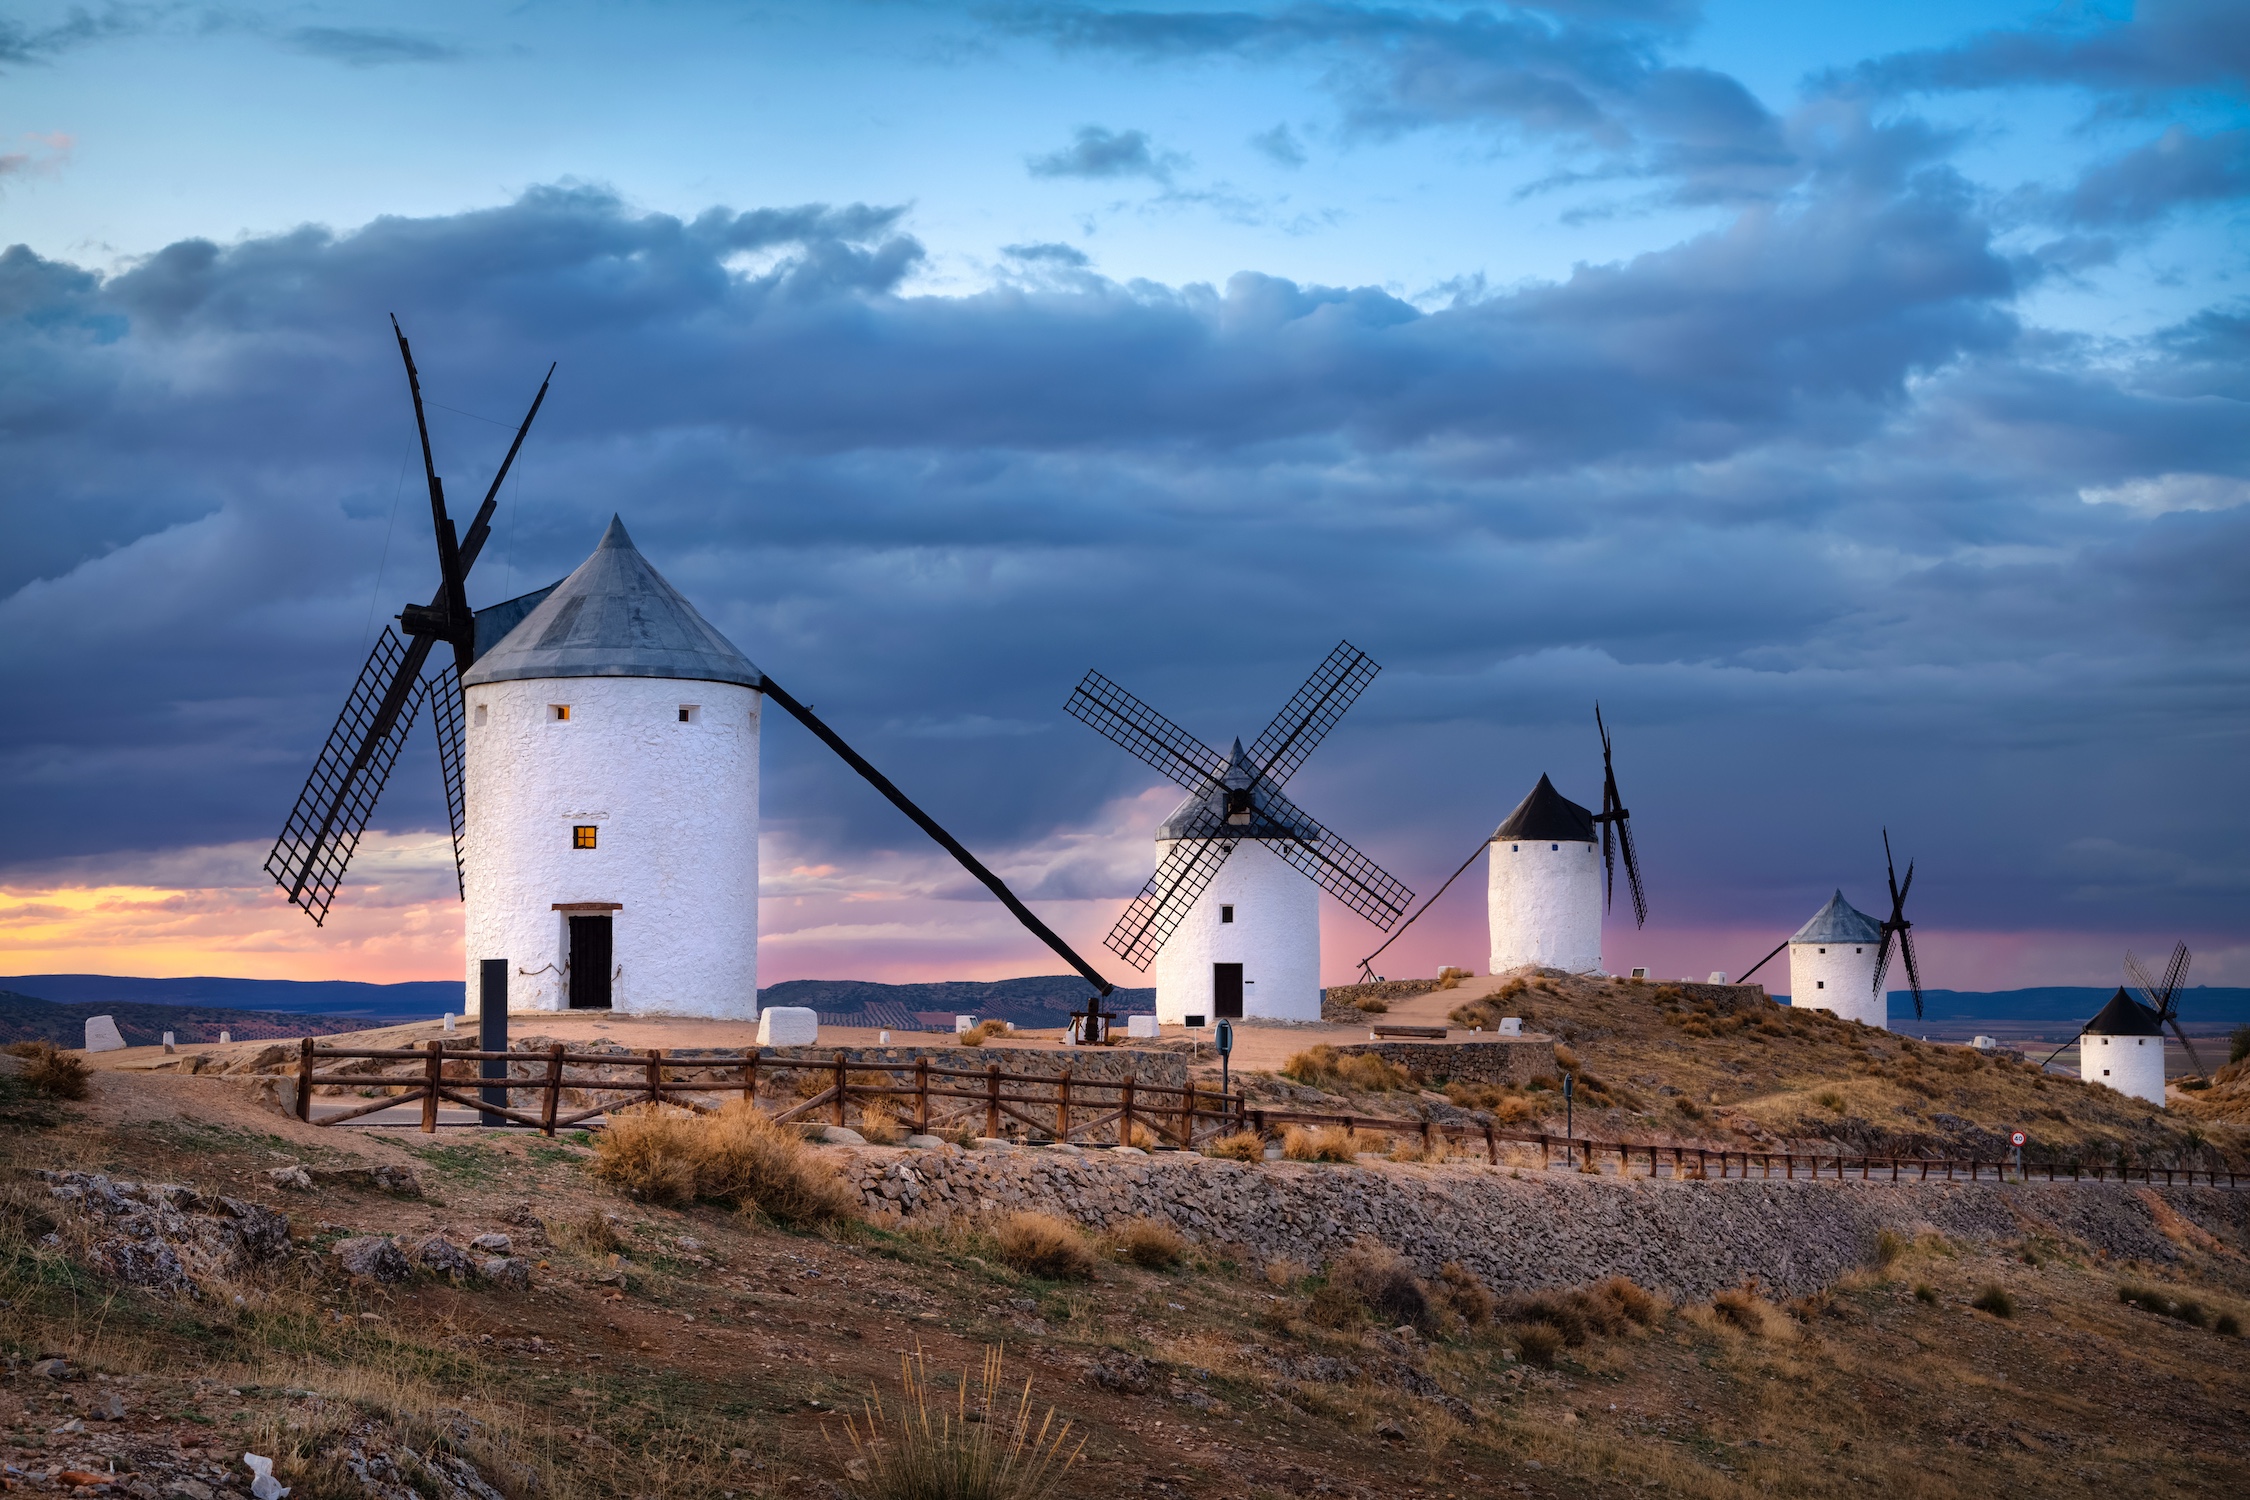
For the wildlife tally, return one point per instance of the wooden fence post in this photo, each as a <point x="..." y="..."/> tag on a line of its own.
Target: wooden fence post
<point x="840" y="1085"/>
<point x="922" y="1095"/>
<point x="750" y="1077"/>
<point x="1491" y="1146"/>
<point x="433" y="1073"/>
<point x="992" y="1101"/>
<point x="1062" y="1105"/>
<point x="1125" y="1119"/>
<point x="1187" y="1116"/>
<point x="304" y="1079"/>
<point x="551" y="1099"/>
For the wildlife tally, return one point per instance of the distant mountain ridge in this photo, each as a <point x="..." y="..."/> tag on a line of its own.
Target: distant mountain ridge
<point x="26" y="1018"/>
<point x="416" y="999"/>
<point x="1043" y="1000"/>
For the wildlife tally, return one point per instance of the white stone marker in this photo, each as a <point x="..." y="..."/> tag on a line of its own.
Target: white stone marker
<point x="788" y="1026"/>
<point x="226" y="1036"/>
<point x="1142" y="1028"/>
<point x="102" y="1035"/>
<point x="168" y="1043"/>
<point x="1511" y="1026"/>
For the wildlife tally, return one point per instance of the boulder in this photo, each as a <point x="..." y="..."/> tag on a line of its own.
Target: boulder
<point x="290" y="1179"/>
<point x="492" y="1244"/>
<point x="441" y="1257"/>
<point x="842" y="1135"/>
<point x="509" y="1272"/>
<point x="373" y="1257"/>
<point x="788" y="1026"/>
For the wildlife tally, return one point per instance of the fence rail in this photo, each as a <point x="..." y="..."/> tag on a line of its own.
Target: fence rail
<point x="1062" y="1107"/>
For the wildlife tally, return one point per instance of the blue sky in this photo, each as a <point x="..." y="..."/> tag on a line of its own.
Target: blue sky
<point x="1851" y="397"/>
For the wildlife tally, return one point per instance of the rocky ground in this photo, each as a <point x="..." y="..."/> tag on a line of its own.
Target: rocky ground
<point x="188" y="1278"/>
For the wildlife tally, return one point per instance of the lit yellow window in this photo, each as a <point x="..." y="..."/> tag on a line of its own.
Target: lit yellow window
<point x="558" y="711"/>
<point x="582" y="836"/>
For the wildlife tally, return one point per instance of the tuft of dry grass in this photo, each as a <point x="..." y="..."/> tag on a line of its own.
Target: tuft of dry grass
<point x="2164" y="1304"/>
<point x="982" y="1032"/>
<point x="1042" y="1245"/>
<point x="1150" y="1243"/>
<point x="878" y="1122"/>
<point x="736" y="1156"/>
<point x="1743" y="1307"/>
<point x="1373" y="1005"/>
<point x="1994" y="1299"/>
<point x="1538" y="1344"/>
<point x="51" y="1071"/>
<point x="1459" y="1294"/>
<point x="1323" y="1066"/>
<point x="986" y="1452"/>
<point x="1243" y="1145"/>
<point x="1333" y="1143"/>
<point x="1889" y="1246"/>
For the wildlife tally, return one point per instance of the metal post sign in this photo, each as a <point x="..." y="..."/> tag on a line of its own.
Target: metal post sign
<point x="1224" y="1042"/>
<point x="2016" y="1140"/>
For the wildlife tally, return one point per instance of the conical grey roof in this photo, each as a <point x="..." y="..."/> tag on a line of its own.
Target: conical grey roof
<point x="1260" y="822"/>
<point x="615" y="617"/>
<point x="1547" y="814"/>
<point x="1840" y="922"/>
<point x="2125" y="1016"/>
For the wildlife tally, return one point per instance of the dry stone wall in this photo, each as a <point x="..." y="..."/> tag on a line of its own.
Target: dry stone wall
<point x="1522" y="1230"/>
<point x="1514" y="1060"/>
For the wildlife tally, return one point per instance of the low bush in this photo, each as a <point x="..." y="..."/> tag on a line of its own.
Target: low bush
<point x="2164" y="1304"/>
<point x="1150" y="1243"/>
<point x="2238" y="1044"/>
<point x="51" y="1071"/>
<point x="1323" y="1066"/>
<point x="1538" y="1344"/>
<point x="1889" y="1246"/>
<point x="1042" y="1245"/>
<point x="1243" y="1145"/>
<point x="1374" y="1005"/>
<point x="879" y="1123"/>
<point x="1459" y="1295"/>
<point x="979" y="1034"/>
<point x="1995" y="1300"/>
<point x="1380" y="1280"/>
<point x="1925" y="1294"/>
<point x="2228" y="1324"/>
<point x="736" y="1156"/>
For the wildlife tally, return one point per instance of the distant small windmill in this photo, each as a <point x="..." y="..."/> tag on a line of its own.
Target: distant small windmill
<point x="1838" y="959"/>
<point x="1250" y="921"/>
<point x="2115" y="1048"/>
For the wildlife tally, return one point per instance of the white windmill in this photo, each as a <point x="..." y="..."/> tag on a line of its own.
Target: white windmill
<point x="1229" y="918"/>
<point x="604" y="792"/>
<point x="2123" y="1046"/>
<point x="1838" y="959"/>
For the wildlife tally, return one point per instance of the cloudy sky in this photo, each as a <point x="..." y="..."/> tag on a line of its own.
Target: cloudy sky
<point x="1851" y="397"/>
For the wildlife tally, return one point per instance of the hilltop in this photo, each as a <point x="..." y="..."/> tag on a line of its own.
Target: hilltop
<point x="25" y="1019"/>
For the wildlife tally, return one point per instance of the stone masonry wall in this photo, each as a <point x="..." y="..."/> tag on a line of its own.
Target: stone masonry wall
<point x="1513" y="1060"/>
<point x="1521" y="1230"/>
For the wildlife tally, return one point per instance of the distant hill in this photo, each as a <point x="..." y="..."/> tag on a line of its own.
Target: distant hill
<point x="414" y="1000"/>
<point x="24" y="1018"/>
<point x="1041" y="1001"/>
<point x="2200" y="1005"/>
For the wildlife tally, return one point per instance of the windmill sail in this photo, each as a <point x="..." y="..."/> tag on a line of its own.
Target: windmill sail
<point x="1313" y="710"/>
<point x="2162" y="995"/>
<point x="1898" y="929"/>
<point x="1613" y="816"/>
<point x="1145" y="733"/>
<point x="323" y="830"/>
<point x="1155" y="914"/>
<point x="443" y="689"/>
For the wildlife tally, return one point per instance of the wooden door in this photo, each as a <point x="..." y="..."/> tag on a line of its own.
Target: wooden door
<point x="1226" y="990"/>
<point x="589" y="963"/>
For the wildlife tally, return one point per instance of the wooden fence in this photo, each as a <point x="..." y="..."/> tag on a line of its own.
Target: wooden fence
<point x="1062" y="1107"/>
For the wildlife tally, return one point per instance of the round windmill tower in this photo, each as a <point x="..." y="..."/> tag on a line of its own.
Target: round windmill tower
<point x="1231" y="917"/>
<point x="1549" y="885"/>
<point x="2123" y="1048"/>
<point x="611" y="849"/>
<point x="1832" y="964"/>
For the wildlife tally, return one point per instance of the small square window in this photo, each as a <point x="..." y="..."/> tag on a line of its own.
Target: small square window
<point x="1821" y="950"/>
<point x="690" y="714"/>
<point x="1820" y="984"/>
<point x="558" y="712"/>
<point x="1551" y="848"/>
<point x="478" y="718"/>
<point x="582" y="836"/>
<point x="1226" y="913"/>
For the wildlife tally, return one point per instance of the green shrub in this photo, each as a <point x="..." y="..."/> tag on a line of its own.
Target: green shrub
<point x="2238" y="1044"/>
<point x="2164" y="1304"/>
<point x="1995" y="1300"/>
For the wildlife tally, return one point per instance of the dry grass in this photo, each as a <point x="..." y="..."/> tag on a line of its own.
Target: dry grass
<point x="1371" y="1278"/>
<point x="982" y="1032"/>
<point x="1149" y="1243"/>
<point x="1323" y="1067"/>
<point x="926" y="1452"/>
<point x="736" y="1156"/>
<point x="878" y="1122"/>
<point x="1243" y="1145"/>
<point x="1331" y="1143"/>
<point x="1373" y="1005"/>
<point x="1042" y="1245"/>
<point x="51" y="1071"/>
<point x="1743" y="1308"/>
<point x="1538" y="1344"/>
<point x="1460" y="1296"/>
<point x="1994" y="1299"/>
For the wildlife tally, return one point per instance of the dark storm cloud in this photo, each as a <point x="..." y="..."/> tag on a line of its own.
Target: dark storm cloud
<point x="2162" y="45"/>
<point x="1591" y="78"/>
<point x="1832" y="534"/>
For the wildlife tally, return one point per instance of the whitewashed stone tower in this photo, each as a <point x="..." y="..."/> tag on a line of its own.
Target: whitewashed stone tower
<point x="1544" y="896"/>
<point x="1832" y="962"/>
<point x="2123" y="1047"/>
<point x="1250" y="945"/>
<point x="611" y="850"/>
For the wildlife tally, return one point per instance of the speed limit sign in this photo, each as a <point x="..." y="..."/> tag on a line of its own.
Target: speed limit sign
<point x="2016" y="1139"/>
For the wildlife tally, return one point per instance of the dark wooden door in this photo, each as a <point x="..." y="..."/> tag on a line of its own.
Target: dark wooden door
<point x="589" y="963"/>
<point x="1226" y="990"/>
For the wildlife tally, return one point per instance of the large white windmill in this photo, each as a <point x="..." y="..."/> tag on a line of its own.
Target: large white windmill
<point x="603" y="792"/>
<point x="1230" y="918"/>
<point x="1840" y="957"/>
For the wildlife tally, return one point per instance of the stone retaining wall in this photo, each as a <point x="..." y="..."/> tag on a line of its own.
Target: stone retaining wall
<point x="1489" y="1059"/>
<point x="1521" y="1230"/>
<point x="1087" y="1064"/>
